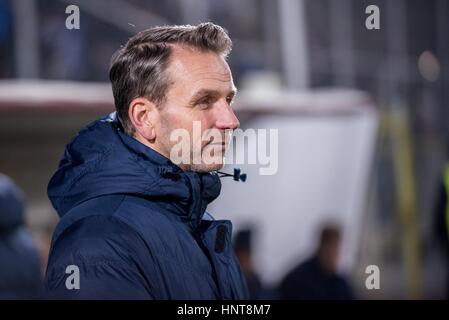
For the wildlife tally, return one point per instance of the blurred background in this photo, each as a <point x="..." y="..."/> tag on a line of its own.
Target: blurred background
<point x="362" y="118"/>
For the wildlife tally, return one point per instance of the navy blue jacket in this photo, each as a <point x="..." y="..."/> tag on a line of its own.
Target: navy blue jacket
<point x="135" y="224"/>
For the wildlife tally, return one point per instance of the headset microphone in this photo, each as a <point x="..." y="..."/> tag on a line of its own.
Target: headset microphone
<point x="238" y="176"/>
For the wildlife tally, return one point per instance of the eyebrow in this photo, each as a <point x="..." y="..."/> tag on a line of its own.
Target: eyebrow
<point x="210" y="92"/>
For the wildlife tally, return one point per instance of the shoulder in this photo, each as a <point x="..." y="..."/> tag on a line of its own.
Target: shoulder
<point x="92" y="232"/>
<point x="95" y="239"/>
<point x="113" y="211"/>
<point x="117" y="226"/>
<point x="107" y="255"/>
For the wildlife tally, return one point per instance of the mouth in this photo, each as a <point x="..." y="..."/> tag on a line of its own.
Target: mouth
<point x="220" y="147"/>
<point x="218" y="144"/>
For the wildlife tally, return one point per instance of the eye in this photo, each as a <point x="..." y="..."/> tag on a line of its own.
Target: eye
<point x="230" y="99"/>
<point x="205" y="103"/>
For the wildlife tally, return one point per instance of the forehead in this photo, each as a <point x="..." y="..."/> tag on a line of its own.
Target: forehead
<point x="192" y="70"/>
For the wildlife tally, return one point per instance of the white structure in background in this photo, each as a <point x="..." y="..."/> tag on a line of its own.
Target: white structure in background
<point x="326" y="147"/>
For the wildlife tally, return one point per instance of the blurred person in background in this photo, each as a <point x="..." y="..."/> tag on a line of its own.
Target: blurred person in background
<point x="441" y="214"/>
<point x="64" y="51"/>
<point x="243" y="251"/>
<point x="6" y="59"/>
<point x="20" y="267"/>
<point x="317" y="278"/>
<point x="133" y="223"/>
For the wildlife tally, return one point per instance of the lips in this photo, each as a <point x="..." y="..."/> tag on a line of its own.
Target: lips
<point x="217" y="145"/>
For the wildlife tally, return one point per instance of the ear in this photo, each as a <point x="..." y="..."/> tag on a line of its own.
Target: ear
<point x="143" y="115"/>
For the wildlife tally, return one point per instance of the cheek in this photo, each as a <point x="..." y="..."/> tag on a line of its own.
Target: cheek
<point x="173" y="118"/>
<point x="207" y="120"/>
<point x="195" y="122"/>
<point x="209" y="133"/>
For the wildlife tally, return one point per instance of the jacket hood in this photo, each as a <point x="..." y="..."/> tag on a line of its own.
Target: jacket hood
<point x="103" y="160"/>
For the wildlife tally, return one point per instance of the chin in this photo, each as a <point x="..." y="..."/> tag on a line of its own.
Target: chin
<point x="207" y="167"/>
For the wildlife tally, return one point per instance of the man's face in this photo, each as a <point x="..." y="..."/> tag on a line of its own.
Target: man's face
<point x="199" y="103"/>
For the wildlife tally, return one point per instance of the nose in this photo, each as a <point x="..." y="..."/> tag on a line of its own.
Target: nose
<point x="226" y="118"/>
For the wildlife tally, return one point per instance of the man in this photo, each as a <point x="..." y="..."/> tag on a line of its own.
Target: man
<point x="244" y="250"/>
<point x="317" y="277"/>
<point x="133" y="224"/>
<point x="20" y="267"/>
